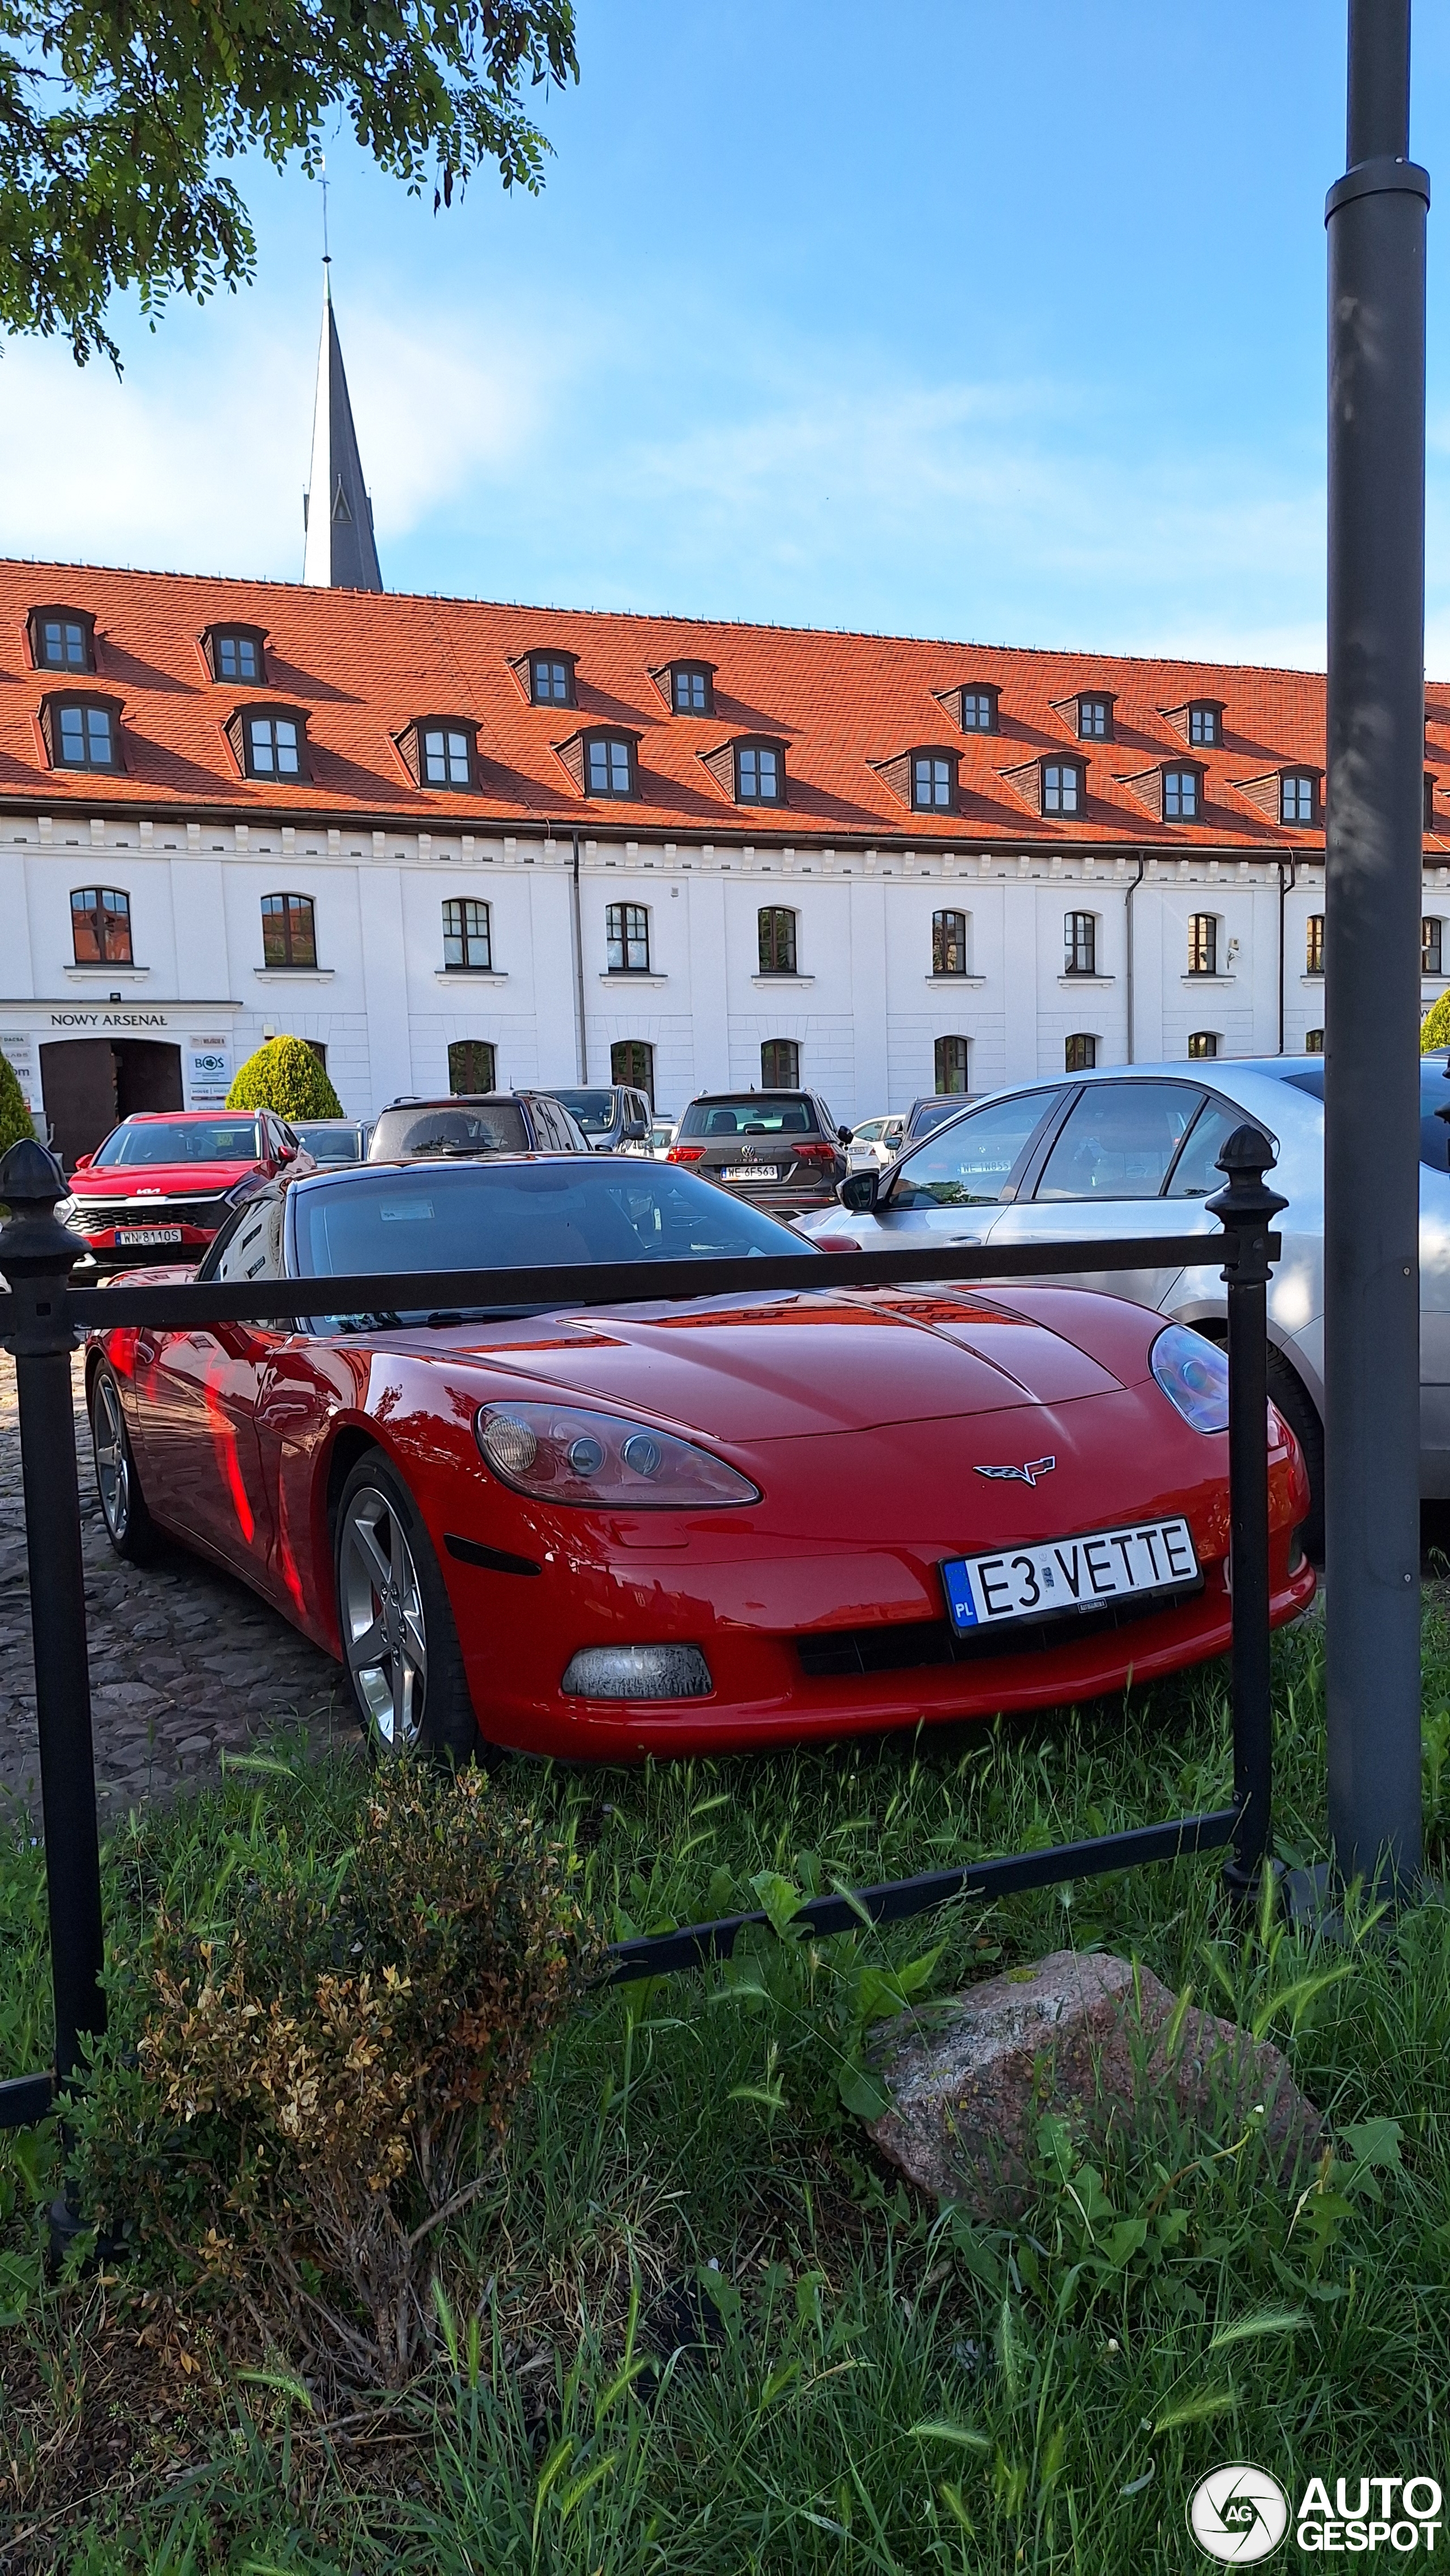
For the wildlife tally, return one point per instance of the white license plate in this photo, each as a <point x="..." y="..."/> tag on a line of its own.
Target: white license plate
<point x="132" y="1235"/>
<point x="751" y="1172"/>
<point x="1040" y="1581"/>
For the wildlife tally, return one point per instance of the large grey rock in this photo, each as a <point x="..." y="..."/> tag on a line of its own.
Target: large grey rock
<point x="1085" y="2036"/>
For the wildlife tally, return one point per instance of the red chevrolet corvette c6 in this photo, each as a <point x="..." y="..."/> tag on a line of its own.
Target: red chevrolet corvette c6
<point x="690" y="1525"/>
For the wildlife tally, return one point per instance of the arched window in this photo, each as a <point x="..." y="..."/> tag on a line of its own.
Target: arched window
<point x="467" y="935"/>
<point x="632" y="1062"/>
<point x="1080" y="1053"/>
<point x="777" y="940"/>
<point x="472" y="1065"/>
<point x="1314" y="944"/>
<point x="1432" y="945"/>
<point x="949" y="943"/>
<point x="1203" y="1042"/>
<point x="780" y="1065"/>
<point x="626" y="938"/>
<point x="100" y="926"/>
<point x="1080" y="943"/>
<point x="1314" y="1041"/>
<point x="1202" y="943"/>
<point x="289" y="930"/>
<point x="950" y="1064"/>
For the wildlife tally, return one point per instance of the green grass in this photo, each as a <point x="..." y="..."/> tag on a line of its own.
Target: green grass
<point x="881" y="2386"/>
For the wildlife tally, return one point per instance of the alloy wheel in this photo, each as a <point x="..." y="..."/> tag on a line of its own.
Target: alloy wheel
<point x="384" y="1633"/>
<point x="113" y="1463"/>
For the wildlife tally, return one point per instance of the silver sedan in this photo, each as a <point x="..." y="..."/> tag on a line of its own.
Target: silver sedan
<point x="1133" y="1151"/>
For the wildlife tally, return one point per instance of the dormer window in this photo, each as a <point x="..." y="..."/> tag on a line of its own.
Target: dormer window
<point x="1095" y="719"/>
<point x="548" y="676"/>
<point x="62" y="639"/>
<point x="1182" y="795"/>
<point x="236" y="653"/>
<point x="759" y="773"/>
<point x="1298" y="797"/>
<point x="1205" y="721"/>
<point x="82" y="733"/>
<point x="689" y="687"/>
<point x="1063" y="787"/>
<point x="1431" y="825"/>
<point x="438" y="751"/>
<point x="978" y="709"/>
<point x="270" y="742"/>
<point x="609" y="764"/>
<point x="933" y="782"/>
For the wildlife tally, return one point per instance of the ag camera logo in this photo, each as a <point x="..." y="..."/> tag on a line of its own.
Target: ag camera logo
<point x="1238" y="2514"/>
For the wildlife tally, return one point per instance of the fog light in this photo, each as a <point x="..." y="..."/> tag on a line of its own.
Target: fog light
<point x="637" y="1672"/>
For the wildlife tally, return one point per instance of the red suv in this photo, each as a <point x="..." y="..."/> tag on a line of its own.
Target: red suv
<point x="165" y="1181"/>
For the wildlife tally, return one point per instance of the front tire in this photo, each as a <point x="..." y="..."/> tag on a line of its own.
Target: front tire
<point x="1287" y="1392"/>
<point x="399" y="1644"/>
<point x="129" y="1525"/>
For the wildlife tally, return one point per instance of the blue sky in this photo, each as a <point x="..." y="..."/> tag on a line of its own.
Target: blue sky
<point x="1003" y="323"/>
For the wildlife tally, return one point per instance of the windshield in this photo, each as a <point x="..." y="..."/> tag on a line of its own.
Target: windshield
<point x="452" y="1127"/>
<point x="329" y="1143"/>
<point x="755" y="1113"/>
<point x="517" y="1215"/>
<point x="195" y="1140"/>
<point x="592" y="1110"/>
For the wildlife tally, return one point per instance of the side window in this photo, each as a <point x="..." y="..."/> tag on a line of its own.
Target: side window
<point x="251" y="1247"/>
<point x="1196" y="1174"/>
<point x="1119" y="1141"/>
<point x="971" y="1162"/>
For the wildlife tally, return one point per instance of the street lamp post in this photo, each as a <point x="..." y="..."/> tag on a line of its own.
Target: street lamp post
<point x="1373" y="860"/>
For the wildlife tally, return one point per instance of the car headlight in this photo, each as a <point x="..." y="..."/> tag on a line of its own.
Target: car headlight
<point x="65" y="1210"/>
<point x="240" y="1191"/>
<point x="561" y="1453"/>
<point x="1193" y="1374"/>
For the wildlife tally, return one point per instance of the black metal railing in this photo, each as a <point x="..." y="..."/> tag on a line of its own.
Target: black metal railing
<point x="43" y="1317"/>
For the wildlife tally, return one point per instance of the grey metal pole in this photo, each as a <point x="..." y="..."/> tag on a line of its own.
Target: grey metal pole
<point x="1376" y="222"/>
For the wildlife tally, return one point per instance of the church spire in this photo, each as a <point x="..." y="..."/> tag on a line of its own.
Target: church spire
<point x="341" y="553"/>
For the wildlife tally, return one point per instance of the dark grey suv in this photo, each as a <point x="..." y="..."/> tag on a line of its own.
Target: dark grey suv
<point x="495" y="1122"/>
<point x="781" y="1149"/>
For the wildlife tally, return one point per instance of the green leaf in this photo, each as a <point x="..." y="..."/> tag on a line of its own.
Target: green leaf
<point x="1374" y="2142"/>
<point x="780" y="1900"/>
<point x="862" y="2091"/>
<point x="963" y="2436"/>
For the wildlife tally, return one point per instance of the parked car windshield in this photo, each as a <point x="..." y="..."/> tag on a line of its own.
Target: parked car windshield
<point x="756" y="1113"/>
<point x="330" y="1140"/>
<point x="591" y="1110"/>
<point x="1434" y="1102"/>
<point x="454" y="1127"/>
<point x="516" y="1215"/>
<point x="196" y="1140"/>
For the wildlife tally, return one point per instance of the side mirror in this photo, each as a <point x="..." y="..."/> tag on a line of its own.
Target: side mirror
<point x="286" y="1151"/>
<point x="843" y="1135"/>
<point x="82" y="1163"/>
<point x="858" y="1192"/>
<point x="635" y="1127"/>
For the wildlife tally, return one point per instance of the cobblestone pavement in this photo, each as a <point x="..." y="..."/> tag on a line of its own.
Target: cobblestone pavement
<point x="185" y="1663"/>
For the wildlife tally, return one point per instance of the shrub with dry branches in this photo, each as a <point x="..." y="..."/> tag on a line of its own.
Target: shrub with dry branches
<point x="293" y="2104"/>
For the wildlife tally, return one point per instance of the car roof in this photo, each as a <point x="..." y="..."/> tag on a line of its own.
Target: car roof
<point x="575" y="1163"/>
<point x="184" y="1117"/>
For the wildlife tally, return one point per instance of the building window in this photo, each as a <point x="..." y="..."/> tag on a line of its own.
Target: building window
<point x="780" y="1065"/>
<point x="1080" y="941"/>
<point x="551" y="680"/>
<point x="1205" y="722"/>
<point x="1202" y="944"/>
<point x="83" y="736"/>
<point x="949" y="943"/>
<point x="691" y="691"/>
<point x="1061" y="787"/>
<point x="950" y="1058"/>
<point x="632" y="1062"/>
<point x="100" y="926"/>
<point x="447" y="760"/>
<point x="1203" y="1042"/>
<point x="1314" y="1041"/>
<point x="1095" y="719"/>
<point x="626" y="938"/>
<point x="1296" y="798"/>
<point x="979" y="711"/>
<point x="289" y="930"/>
<point x="1430" y="823"/>
<point x="1080" y="1053"/>
<point x="273" y="750"/>
<point x="759" y="774"/>
<point x="609" y="765"/>
<point x="1180" y="796"/>
<point x="472" y="1066"/>
<point x="776" y="927"/>
<point x="933" y="783"/>
<point x="236" y="657"/>
<point x="467" y="939"/>
<point x="1314" y="944"/>
<point x="61" y="641"/>
<point x="1432" y="945"/>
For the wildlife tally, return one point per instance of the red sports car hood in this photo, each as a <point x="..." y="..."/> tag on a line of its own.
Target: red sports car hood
<point x="787" y="1367"/>
<point x="164" y="1180"/>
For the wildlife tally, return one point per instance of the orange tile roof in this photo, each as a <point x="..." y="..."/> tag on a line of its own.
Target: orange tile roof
<point x="363" y="664"/>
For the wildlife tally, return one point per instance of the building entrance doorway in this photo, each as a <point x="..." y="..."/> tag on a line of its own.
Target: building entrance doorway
<point x="88" y="1083"/>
